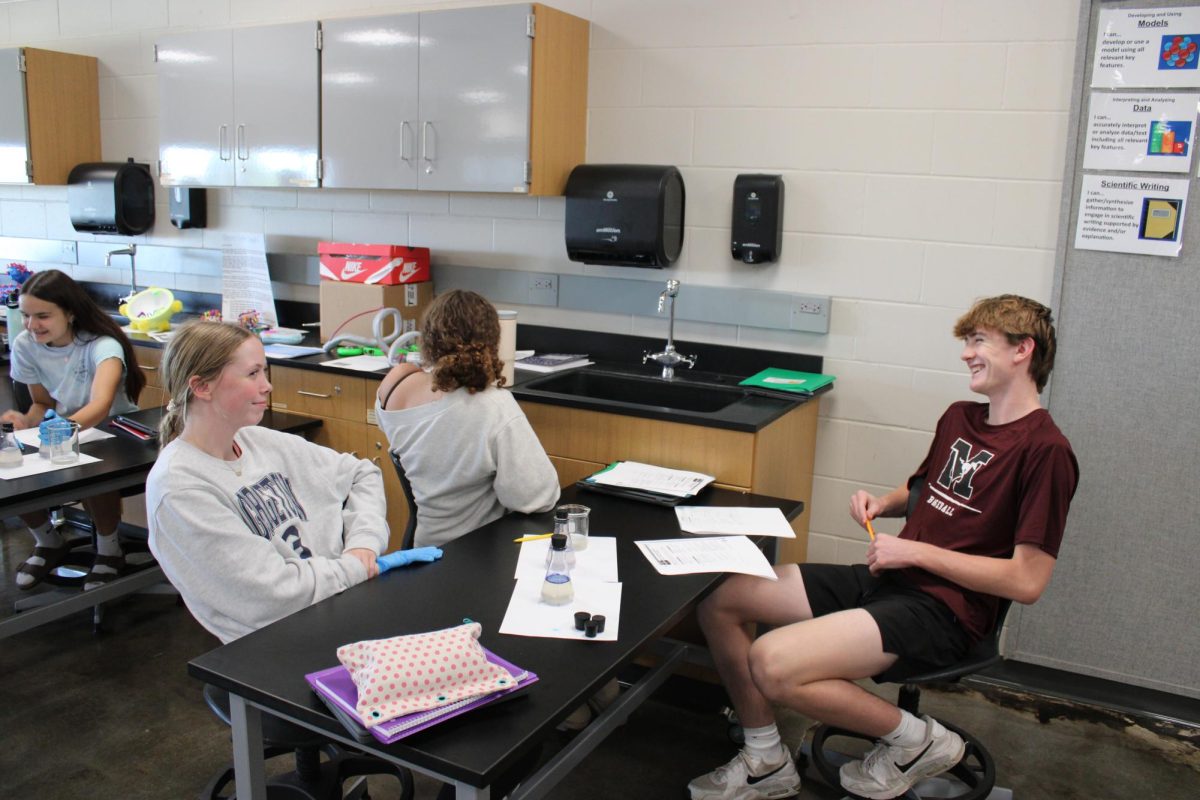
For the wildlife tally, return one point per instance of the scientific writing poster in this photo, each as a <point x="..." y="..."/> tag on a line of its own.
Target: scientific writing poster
<point x="1131" y="214"/>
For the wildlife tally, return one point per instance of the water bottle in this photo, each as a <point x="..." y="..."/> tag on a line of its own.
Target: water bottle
<point x="44" y="432"/>
<point x="557" y="589"/>
<point x="10" y="449"/>
<point x="562" y="524"/>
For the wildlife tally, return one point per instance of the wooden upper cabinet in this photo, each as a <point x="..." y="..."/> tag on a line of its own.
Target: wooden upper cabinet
<point x="490" y="99"/>
<point x="51" y="117"/>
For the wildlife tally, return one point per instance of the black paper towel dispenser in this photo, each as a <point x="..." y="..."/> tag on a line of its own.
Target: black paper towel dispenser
<point x="111" y="197"/>
<point x="624" y="214"/>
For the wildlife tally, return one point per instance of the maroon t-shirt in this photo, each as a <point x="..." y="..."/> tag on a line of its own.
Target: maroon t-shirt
<point x="987" y="489"/>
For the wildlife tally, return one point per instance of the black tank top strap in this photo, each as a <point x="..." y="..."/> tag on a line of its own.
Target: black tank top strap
<point x="383" y="403"/>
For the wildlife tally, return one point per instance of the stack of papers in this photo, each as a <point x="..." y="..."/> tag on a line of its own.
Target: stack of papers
<point x="732" y="521"/>
<point x="649" y="478"/>
<point x="552" y="362"/>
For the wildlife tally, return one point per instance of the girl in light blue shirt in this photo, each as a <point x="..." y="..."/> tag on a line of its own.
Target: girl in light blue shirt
<point x="75" y="360"/>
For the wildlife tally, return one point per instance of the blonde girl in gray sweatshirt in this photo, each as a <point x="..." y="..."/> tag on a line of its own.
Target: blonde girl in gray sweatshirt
<point x="251" y="524"/>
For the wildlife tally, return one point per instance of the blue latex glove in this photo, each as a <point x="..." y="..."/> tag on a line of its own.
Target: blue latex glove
<point x="402" y="558"/>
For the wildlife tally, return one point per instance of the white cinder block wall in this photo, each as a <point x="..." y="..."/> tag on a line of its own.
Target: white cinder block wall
<point x="922" y="145"/>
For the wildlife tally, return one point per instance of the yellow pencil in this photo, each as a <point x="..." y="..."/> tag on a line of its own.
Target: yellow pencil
<point x="533" y="537"/>
<point x="870" y="529"/>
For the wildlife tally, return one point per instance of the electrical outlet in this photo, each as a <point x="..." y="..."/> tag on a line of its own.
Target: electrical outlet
<point x="809" y="307"/>
<point x="810" y="312"/>
<point x="542" y="289"/>
<point x="69" y="253"/>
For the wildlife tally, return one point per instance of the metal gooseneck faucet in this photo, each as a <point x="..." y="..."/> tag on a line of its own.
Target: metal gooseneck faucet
<point x="130" y="251"/>
<point x="669" y="357"/>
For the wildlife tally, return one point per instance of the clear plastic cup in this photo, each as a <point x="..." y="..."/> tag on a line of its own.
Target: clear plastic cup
<point x="577" y="524"/>
<point x="64" y="442"/>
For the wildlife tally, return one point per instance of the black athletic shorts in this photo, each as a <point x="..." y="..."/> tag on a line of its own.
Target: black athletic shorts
<point x="915" y="626"/>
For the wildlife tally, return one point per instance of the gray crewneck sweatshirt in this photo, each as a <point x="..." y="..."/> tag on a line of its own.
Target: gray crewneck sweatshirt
<point x="250" y="541"/>
<point x="469" y="458"/>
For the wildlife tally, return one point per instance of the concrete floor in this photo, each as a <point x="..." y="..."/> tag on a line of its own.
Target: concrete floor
<point x="115" y="715"/>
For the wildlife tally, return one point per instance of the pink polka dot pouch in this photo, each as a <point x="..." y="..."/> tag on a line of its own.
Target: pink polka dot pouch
<point x="407" y="674"/>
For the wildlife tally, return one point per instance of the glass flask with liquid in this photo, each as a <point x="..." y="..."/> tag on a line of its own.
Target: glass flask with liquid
<point x="557" y="588"/>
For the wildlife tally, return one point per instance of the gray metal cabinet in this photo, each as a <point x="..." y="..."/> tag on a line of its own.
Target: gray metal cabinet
<point x="438" y="100"/>
<point x="475" y="94"/>
<point x="14" y="143"/>
<point x="369" y="118"/>
<point x="240" y="107"/>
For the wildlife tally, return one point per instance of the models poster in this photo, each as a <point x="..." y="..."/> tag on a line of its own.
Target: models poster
<point x="1151" y="47"/>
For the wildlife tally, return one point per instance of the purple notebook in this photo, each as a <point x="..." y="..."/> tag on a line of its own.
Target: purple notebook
<point x="337" y="689"/>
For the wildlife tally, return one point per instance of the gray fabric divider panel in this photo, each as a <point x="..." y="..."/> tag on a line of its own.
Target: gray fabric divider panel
<point x="1123" y="603"/>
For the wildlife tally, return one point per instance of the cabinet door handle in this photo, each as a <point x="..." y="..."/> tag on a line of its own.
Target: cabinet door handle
<point x="425" y="137"/>
<point x="223" y="143"/>
<point x="241" y="143"/>
<point x="313" y="394"/>
<point x="147" y="368"/>
<point x="375" y="461"/>
<point x="405" y="133"/>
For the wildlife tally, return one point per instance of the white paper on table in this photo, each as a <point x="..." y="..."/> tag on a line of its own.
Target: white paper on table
<point x="162" y="336"/>
<point x="290" y="351"/>
<point x="245" y="282"/>
<point x="29" y="436"/>
<point x="527" y="615"/>
<point x="710" y="554"/>
<point x="34" y="464"/>
<point x="598" y="562"/>
<point x="734" y="521"/>
<point x="635" y="475"/>
<point x="361" y="363"/>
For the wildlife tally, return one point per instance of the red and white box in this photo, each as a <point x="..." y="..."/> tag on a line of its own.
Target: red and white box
<point x="382" y="264"/>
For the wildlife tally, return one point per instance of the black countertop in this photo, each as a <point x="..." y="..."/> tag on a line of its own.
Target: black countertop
<point x="621" y="355"/>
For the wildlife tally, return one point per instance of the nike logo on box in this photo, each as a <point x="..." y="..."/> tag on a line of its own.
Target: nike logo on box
<point x="408" y="270"/>
<point x="351" y="269"/>
<point x="906" y="767"/>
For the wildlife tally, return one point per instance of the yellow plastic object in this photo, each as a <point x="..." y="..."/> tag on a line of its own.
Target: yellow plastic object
<point x="151" y="310"/>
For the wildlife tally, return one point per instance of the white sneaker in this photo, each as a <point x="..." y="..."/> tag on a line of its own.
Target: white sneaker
<point x="888" y="771"/>
<point x="747" y="778"/>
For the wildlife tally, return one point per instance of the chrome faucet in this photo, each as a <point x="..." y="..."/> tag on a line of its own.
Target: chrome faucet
<point x="130" y="251"/>
<point x="669" y="357"/>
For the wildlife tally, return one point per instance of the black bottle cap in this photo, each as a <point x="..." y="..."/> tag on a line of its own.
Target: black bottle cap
<point x="581" y="619"/>
<point x="599" y="620"/>
<point x="589" y="630"/>
<point x="558" y="541"/>
<point x="560" y="513"/>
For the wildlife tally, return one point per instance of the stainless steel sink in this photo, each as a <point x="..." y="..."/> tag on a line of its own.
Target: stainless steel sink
<point x="637" y="390"/>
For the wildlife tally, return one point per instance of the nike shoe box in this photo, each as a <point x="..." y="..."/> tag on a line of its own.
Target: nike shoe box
<point x="382" y="264"/>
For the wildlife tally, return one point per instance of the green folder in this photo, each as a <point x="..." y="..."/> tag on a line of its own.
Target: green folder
<point x="786" y="380"/>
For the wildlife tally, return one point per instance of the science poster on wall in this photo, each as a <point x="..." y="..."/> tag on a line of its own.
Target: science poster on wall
<point x="1151" y="47"/>
<point x="1140" y="132"/>
<point x="1131" y="215"/>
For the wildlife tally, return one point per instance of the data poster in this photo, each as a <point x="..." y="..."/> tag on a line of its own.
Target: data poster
<point x="1131" y="215"/>
<point x="1150" y="47"/>
<point x="1140" y="132"/>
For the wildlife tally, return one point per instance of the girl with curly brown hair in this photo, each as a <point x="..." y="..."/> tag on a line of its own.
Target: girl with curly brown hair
<point x="464" y="443"/>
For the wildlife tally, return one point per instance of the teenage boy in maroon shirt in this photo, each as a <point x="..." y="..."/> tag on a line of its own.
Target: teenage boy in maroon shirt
<point x="998" y="480"/>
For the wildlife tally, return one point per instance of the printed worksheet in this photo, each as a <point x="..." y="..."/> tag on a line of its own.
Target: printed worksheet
<point x="734" y="520"/>
<point x="709" y="554"/>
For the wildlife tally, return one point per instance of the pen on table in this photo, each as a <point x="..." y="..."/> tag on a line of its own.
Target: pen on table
<point x="870" y="529"/>
<point x="533" y="537"/>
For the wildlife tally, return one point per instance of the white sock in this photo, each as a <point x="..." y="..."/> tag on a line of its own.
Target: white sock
<point x="764" y="743"/>
<point x="107" y="545"/>
<point x="46" y="535"/>
<point x="909" y="733"/>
